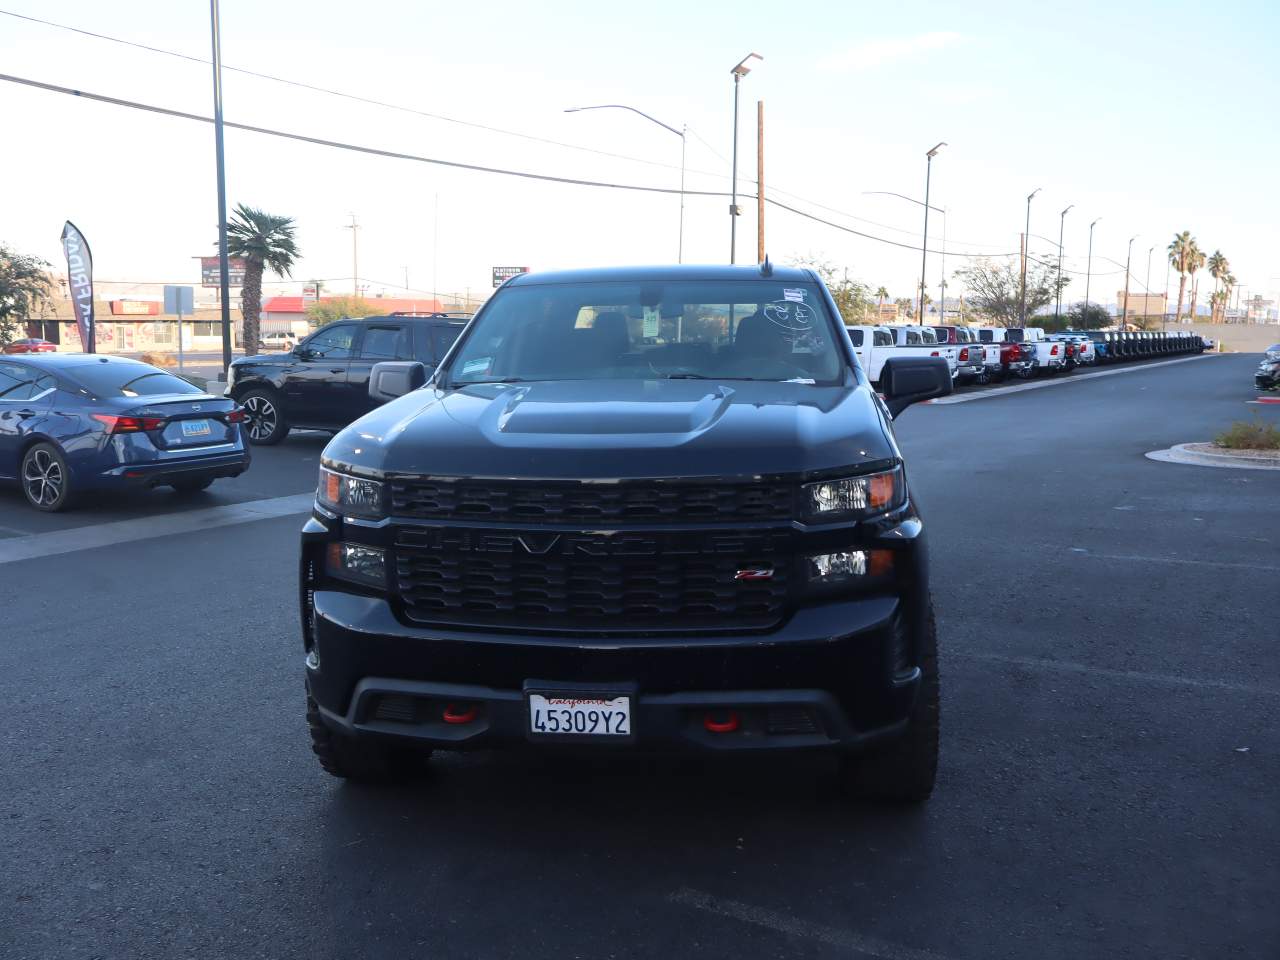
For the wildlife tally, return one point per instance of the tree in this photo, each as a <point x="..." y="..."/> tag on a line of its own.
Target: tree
<point x="852" y="297"/>
<point x="995" y="285"/>
<point x="1228" y="284"/>
<point x="904" y="305"/>
<point x="1195" y="262"/>
<point x="338" y="308"/>
<point x="1180" y="251"/>
<point x="24" y="286"/>
<point x="1088" y="316"/>
<point x="1218" y="269"/>
<point x="881" y="296"/>
<point x="262" y="240"/>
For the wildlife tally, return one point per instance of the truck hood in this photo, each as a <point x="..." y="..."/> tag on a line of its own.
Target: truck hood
<point x="585" y="429"/>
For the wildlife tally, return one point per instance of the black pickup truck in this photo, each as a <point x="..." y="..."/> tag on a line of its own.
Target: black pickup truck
<point x="323" y="382"/>
<point x="632" y="509"/>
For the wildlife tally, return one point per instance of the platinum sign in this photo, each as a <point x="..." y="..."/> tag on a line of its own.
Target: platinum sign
<point x="80" y="281"/>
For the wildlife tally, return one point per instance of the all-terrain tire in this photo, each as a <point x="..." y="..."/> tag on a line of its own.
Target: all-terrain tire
<point x="365" y="762"/>
<point x="905" y="769"/>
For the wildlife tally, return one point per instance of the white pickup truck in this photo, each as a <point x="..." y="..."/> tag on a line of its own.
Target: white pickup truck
<point x="1050" y="355"/>
<point x="874" y="345"/>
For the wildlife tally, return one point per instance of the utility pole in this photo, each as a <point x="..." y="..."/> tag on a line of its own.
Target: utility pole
<point x="924" y="240"/>
<point x="1088" y="276"/>
<point x="1062" y="222"/>
<point x="224" y="267"/>
<point x="1026" y="249"/>
<point x="1124" y="316"/>
<point x="355" y="256"/>
<point x="739" y="71"/>
<point x="759" y="181"/>
<point x="942" y="280"/>
<point x="1146" y="287"/>
<point x="1164" y="308"/>
<point x="435" y="253"/>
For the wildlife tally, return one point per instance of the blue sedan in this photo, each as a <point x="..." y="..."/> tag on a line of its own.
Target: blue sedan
<point x="71" y="424"/>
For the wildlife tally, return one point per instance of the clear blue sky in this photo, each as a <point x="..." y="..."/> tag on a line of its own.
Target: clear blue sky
<point x="1155" y="117"/>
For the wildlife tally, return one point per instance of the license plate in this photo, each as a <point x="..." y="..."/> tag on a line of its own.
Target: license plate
<point x="579" y="716"/>
<point x="196" y="428"/>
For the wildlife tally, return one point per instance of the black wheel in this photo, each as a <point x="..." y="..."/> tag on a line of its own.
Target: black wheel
<point x="46" y="481"/>
<point x="264" y="422"/>
<point x="192" y="486"/>
<point x="369" y="762"/>
<point x="904" y="769"/>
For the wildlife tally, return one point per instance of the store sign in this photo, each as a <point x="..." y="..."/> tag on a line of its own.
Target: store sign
<point x="134" y="308"/>
<point x="211" y="273"/>
<point x="80" y="281"/>
<point x="310" y="292"/>
<point x="502" y="274"/>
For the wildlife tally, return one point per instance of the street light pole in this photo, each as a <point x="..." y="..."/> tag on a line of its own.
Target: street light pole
<point x="682" y="133"/>
<point x="224" y="266"/>
<point x="1088" y="275"/>
<point x="355" y="260"/>
<point x="1124" y="316"/>
<point x="1062" y="222"/>
<point x="924" y="240"/>
<point x="1164" y="308"/>
<point x="1146" y="287"/>
<point x="739" y="71"/>
<point x="1026" y="251"/>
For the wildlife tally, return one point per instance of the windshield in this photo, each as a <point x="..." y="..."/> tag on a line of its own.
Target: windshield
<point x="728" y="330"/>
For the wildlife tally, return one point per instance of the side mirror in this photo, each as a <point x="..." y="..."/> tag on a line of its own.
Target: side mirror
<point x="908" y="380"/>
<point x="301" y="352"/>
<point x="395" y="378"/>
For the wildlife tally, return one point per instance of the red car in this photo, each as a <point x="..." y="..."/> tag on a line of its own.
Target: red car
<point x="30" y="345"/>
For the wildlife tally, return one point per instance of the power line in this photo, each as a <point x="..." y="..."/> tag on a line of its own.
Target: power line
<point x="455" y="164"/>
<point x="466" y="123"/>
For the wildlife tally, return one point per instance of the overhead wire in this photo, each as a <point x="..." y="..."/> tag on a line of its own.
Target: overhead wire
<point x="459" y="165"/>
<point x="467" y="123"/>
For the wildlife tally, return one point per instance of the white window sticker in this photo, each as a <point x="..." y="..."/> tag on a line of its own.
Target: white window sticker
<point x="652" y="322"/>
<point x="479" y="365"/>
<point x="795" y="295"/>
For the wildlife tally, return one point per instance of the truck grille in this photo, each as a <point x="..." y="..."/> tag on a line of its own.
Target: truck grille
<point x="573" y="502"/>
<point x="678" y="582"/>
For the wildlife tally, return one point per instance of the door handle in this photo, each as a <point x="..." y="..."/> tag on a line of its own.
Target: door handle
<point x="26" y="413"/>
<point x="339" y="370"/>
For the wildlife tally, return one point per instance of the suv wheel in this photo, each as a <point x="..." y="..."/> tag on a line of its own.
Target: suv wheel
<point x="264" y="418"/>
<point x="46" y="481"/>
<point x="369" y="762"/>
<point x="904" y="770"/>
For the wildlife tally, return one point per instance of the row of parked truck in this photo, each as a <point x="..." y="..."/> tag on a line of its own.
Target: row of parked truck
<point x="989" y="354"/>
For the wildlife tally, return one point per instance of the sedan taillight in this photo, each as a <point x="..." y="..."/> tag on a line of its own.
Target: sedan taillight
<point x="116" y="424"/>
<point x="235" y="416"/>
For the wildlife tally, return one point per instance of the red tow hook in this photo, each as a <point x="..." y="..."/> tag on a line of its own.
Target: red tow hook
<point x="728" y="724"/>
<point x="465" y="714"/>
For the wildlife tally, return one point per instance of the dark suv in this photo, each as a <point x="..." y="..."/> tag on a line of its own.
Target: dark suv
<point x="651" y="508"/>
<point x="323" y="382"/>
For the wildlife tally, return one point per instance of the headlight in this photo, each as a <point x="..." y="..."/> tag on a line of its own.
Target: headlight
<point x="350" y="496"/>
<point x="358" y="563"/>
<point x="855" y="498"/>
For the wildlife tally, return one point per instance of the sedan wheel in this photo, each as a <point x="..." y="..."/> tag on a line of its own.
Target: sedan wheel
<point x="264" y="421"/>
<point x="45" y="480"/>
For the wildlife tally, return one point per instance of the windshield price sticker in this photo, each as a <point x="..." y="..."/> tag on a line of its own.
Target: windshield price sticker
<point x="795" y="295"/>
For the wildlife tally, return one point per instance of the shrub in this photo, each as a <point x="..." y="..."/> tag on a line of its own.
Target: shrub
<point x="1257" y="435"/>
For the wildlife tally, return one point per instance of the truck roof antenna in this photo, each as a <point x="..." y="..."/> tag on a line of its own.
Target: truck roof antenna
<point x="766" y="268"/>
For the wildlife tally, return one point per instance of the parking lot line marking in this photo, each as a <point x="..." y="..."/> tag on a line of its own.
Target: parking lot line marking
<point x="1074" y="378"/>
<point x="38" y="545"/>
<point x="795" y="927"/>
<point x="1226" y="564"/>
<point x="1162" y="679"/>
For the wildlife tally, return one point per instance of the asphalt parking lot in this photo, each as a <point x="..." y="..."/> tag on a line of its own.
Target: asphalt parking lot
<point x="1109" y="785"/>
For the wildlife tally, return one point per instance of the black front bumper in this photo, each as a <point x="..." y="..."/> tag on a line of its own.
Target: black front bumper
<point x="1266" y="381"/>
<point x="836" y="676"/>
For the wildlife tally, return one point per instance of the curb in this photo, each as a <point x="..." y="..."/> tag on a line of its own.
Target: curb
<point x="1180" y="454"/>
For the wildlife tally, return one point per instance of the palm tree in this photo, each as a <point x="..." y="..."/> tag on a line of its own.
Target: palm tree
<point x="262" y="240"/>
<point x="881" y="296"/>
<point x="1218" y="268"/>
<point x="1195" y="261"/>
<point x="1228" y="284"/>
<point x="1179" y="252"/>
